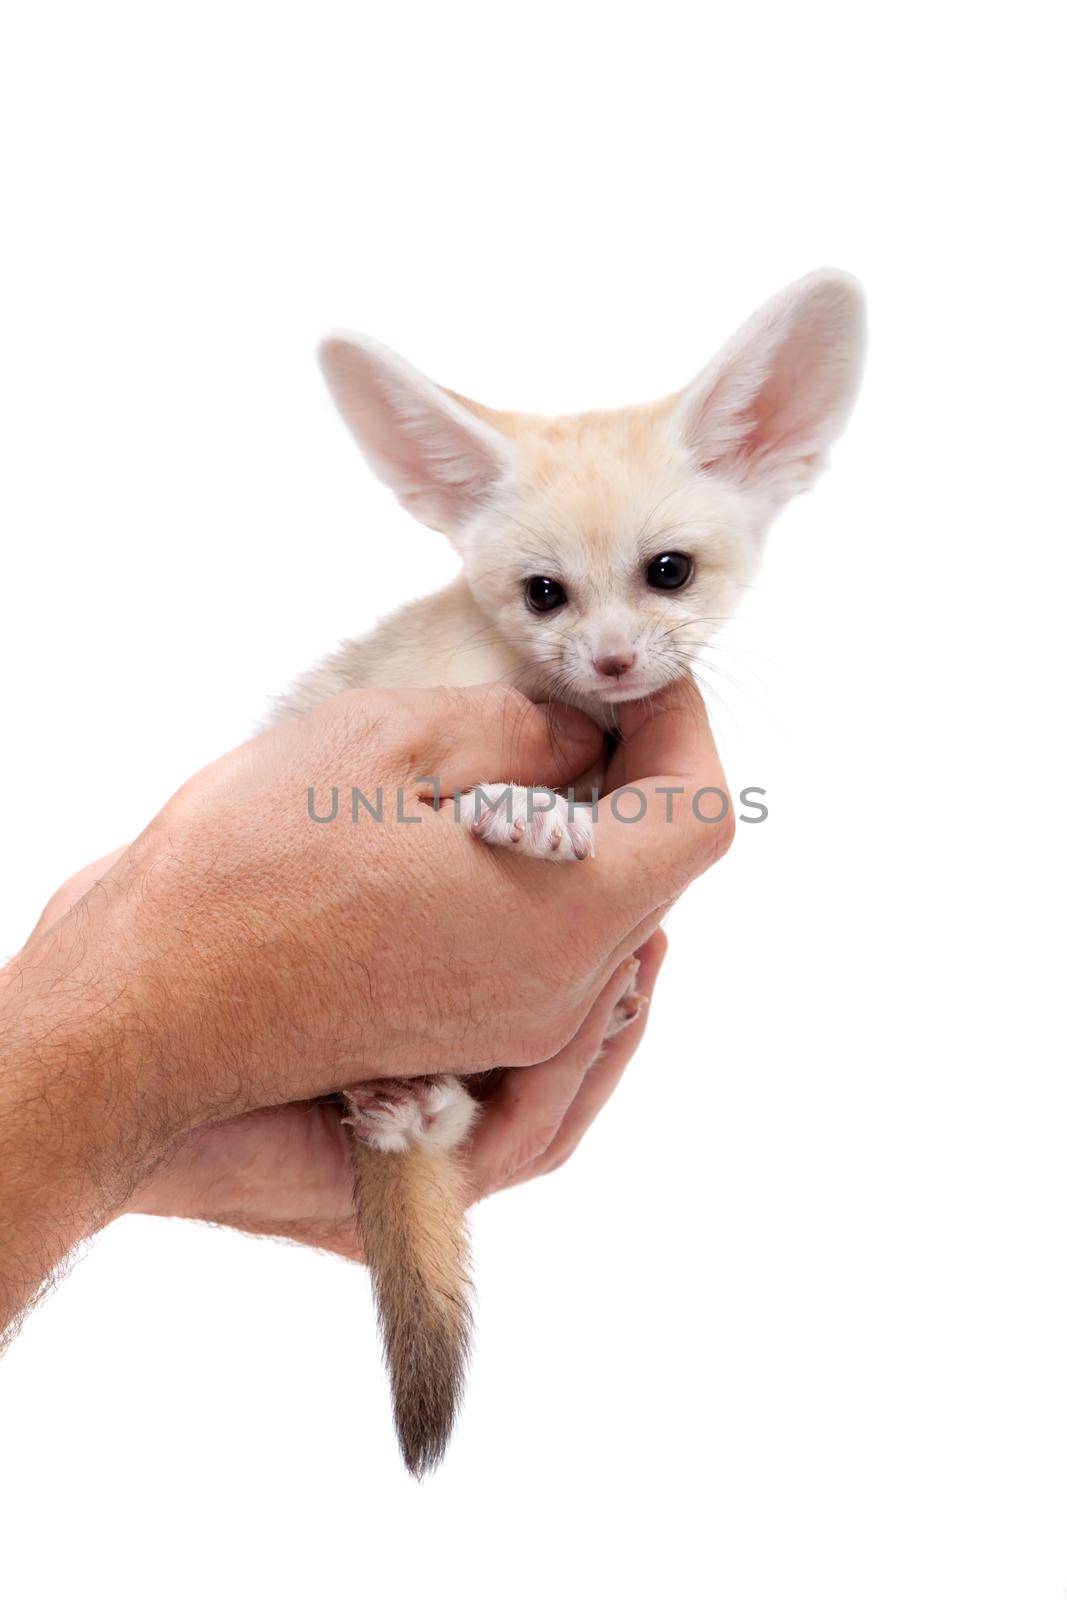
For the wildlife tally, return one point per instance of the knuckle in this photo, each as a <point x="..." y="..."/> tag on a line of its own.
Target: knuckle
<point x="517" y="1043"/>
<point x="717" y="838"/>
<point x="529" y="1049"/>
<point x="558" y="1158"/>
<point x="560" y="1034"/>
<point x="529" y="1148"/>
<point x="541" y="1042"/>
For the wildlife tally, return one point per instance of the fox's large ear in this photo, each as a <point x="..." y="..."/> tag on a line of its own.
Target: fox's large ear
<point x="767" y="409"/>
<point x="442" y="460"/>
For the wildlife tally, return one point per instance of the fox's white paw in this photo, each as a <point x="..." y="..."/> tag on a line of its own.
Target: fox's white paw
<point x="398" y="1114"/>
<point x="534" y="822"/>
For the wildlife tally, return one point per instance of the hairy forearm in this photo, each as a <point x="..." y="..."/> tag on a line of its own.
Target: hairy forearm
<point x="71" y="1141"/>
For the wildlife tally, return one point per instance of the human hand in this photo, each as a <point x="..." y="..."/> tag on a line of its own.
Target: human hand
<point x="286" y="1171"/>
<point x="261" y="958"/>
<point x="238" y="955"/>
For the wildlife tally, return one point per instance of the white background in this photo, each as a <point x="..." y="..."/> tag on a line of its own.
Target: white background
<point x="794" y="1321"/>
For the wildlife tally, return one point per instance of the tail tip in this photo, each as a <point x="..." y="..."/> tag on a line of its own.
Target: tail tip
<point x="423" y="1449"/>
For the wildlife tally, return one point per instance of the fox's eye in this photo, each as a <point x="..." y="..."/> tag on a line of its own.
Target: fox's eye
<point x="669" y="571"/>
<point x="544" y="594"/>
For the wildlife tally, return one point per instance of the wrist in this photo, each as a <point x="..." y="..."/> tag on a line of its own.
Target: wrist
<point x="75" y="1101"/>
<point x="71" y="1146"/>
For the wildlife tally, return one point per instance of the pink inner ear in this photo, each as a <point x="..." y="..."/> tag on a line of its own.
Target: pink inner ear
<point x="780" y="393"/>
<point x="434" y="457"/>
<point x="440" y="461"/>
<point x="800" y="396"/>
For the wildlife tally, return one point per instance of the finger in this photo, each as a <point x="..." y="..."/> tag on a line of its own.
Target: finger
<point x="602" y="1079"/>
<point x="494" y="734"/>
<point x="668" y="816"/>
<point x="525" y="1111"/>
<point x="284" y="1172"/>
<point x="276" y="1165"/>
<point x="626" y="948"/>
<point x="339" y="1239"/>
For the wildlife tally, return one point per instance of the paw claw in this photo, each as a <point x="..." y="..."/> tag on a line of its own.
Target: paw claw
<point x="502" y="814"/>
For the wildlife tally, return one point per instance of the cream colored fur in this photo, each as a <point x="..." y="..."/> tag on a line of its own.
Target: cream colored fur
<point x="589" y="500"/>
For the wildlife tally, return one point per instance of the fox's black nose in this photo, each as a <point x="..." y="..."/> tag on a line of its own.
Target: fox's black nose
<point x="613" y="666"/>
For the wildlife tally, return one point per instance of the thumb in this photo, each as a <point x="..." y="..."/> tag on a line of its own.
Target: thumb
<point x="666" y="815"/>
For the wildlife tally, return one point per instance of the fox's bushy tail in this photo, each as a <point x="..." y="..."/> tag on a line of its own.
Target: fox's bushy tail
<point x="410" y="1208"/>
